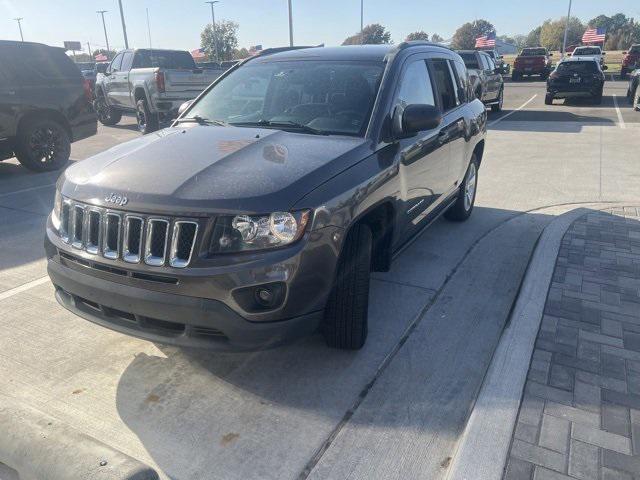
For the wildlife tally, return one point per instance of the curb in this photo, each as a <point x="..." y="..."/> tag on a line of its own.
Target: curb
<point x="38" y="446"/>
<point x="484" y="446"/>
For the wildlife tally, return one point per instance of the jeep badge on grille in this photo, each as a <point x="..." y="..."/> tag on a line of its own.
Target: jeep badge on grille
<point x="116" y="199"/>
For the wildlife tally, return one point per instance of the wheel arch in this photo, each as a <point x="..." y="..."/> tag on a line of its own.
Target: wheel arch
<point x="44" y="113"/>
<point x="380" y="219"/>
<point x="478" y="151"/>
<point x="139" y="93"/>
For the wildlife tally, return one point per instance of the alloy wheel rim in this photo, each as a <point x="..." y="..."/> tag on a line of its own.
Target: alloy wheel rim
<point x="44" y="142"/>
<point x="470" y="187"/>
<point x="142" y="120"/>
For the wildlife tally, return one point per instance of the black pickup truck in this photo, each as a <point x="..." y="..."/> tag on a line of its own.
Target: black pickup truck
<point x="259" y="215"/>
<point x="486" y="81"/>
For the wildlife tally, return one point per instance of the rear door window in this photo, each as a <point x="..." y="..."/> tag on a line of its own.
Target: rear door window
<point x="445" y="85"/>
<point x="116" y="63"/>
<point x="415" y="85"/>
<point x="462" y="80"/>
<point x="164" y="59"/>
<point x="127" y="60"/>
<point x="470" y="60"/>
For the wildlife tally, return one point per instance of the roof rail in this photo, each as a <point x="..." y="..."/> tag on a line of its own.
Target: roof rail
<point x="417" y="43"/>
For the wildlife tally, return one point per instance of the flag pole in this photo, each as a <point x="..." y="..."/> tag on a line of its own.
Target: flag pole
<point x="566" y="30"/>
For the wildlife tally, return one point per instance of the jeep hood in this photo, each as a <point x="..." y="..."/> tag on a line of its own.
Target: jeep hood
<point x="208" y="169"/>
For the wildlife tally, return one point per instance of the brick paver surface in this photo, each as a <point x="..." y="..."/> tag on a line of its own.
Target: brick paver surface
<point x="580" y="411"/>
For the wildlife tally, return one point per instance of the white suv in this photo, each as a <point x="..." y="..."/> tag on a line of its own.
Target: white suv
<point x="590" y="52"/>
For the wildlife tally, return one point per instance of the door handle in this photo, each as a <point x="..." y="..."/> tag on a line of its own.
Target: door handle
<point x="444" y="136"/>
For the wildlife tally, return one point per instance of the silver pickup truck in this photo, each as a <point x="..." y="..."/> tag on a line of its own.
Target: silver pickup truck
<point x="151" y="83"/>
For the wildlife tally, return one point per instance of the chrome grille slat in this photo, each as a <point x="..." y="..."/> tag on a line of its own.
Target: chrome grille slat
<point x="183" y="240"/>
<point x="155" y="246"/>
<point x="132" y="238"/>
<point x="111" y="235"/>
<point x="132" y="241"/>
<point x="77" y="226"/>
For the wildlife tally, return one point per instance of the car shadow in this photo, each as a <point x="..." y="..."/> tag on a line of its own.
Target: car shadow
<point x="551" y="119"/>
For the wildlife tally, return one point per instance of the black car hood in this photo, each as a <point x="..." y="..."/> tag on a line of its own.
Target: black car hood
<point x="203" y="169"/>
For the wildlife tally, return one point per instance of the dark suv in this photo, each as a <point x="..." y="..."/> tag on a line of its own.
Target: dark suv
<point x="260" y="213"/>
<point x="485" y="78"/>
<point x="45" y="104"/>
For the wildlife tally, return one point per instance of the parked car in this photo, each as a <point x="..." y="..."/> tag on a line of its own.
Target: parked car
<point x="532" y="61"/>
<point x="259" y="215"/>
<point x="633" y="92"/>
<point x="590" y="52"/>
<point x="486" y="81"/>
<point x="576" y="77"/>
<point x="630" y="60"/>
<point x="150" y="83"/>
<point x="44" y="105"/>
<point x="498" y="59"/>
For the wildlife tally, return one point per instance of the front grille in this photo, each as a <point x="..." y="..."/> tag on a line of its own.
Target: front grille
<point x="132" y="238"/>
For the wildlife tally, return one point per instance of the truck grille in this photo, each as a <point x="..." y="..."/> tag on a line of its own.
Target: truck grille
<point x="129" y="237"/>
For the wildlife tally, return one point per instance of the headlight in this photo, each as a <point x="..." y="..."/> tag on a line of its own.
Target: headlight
<point x="257" y="232"/>
<point x="57" y="208"/>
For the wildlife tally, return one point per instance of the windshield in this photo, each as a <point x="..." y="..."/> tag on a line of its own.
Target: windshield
<point x="470" y="60"/>
<point x="587" y="51"/>
<point x="577" y="67"/>
<point x="328" y="96"/>
<point x="533" y="52"/>
<point x="163" y="59"/>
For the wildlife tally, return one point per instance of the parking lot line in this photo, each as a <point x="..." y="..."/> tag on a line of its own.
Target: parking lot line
<point x="30" y="189"/>
<point x="514" y="111"/>
<point x="618" y="112"/>
<point x="25" y="286"/>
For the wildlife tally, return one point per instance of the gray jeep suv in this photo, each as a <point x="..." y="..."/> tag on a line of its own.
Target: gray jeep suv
<point x="259" y="214"/>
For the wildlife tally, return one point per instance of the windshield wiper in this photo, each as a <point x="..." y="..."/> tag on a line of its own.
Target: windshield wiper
<point x="282" y="124"/>
<point x="202" y="121"/>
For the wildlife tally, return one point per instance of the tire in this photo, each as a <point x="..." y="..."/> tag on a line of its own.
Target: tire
<point x="631" y="94"/>
<point x="623" y="73"/>
<point x="548" y="99"/>
<point x="597" y="99"/>
<point x="636" y="100"/>
<point x="147" y="121"/>
<point x="463" y="206"/>
<point x="43" y="145"/>
<point x="516" y="76"/>
<point x="345" y="323"/>
<point x="107" y="115"/>
<point x="497" y="107"/>
<point x="544" y="76"/>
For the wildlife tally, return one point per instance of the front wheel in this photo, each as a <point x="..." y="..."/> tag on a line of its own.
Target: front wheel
<point x="43" y="146"/>
<point x="345" y="324"/>
<point x="147" y="121"/>
<point x="463" y="206"/>
<point x="597" y="99"/>
<point x="516" y="76"/>
<point x="497" y="107"/>
<point x="548" y="99"/>
<point x="636" y="100"/>
<point x="107" y="115"/>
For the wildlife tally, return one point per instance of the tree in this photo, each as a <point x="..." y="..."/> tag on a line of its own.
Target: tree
<point x="239" y="54"/>
<point x="373" y="34"/>
<point x="552" y="33"/>
<point x="419" y="35"/>
<point x="533" y="39"/>
<point x="621" y="30"/>
<point x="226" y="39"/>
<point x="465" y="36"/>
<point x="435" y="38"/>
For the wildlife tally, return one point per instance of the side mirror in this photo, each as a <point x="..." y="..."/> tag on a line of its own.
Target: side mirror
<point x="604" y="67"/>
<point x="184" y="106"/>
<point x="418" y="118"/>
<point x="101" y="67"/>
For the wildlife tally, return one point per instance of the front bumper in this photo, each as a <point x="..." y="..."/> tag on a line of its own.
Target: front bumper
<point x="200" y="307"/>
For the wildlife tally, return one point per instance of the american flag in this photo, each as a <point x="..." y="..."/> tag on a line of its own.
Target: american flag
<point x="486" y="40"/>
<point x="594" y="35"/>
<point x="101" y="57"/>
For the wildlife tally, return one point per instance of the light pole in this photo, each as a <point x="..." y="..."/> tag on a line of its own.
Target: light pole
<point x="104" y="26"/>
<point x="213" y="26"/>
<point x="19" y="19"/>
<point x="566" y="30"/>
<point x="124" y="27"/>
<point x="290" y="26"/>
<point x="361" y="20"/>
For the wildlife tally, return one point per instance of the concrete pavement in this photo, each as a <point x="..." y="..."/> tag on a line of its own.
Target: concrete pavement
<point x="304" y="410"/>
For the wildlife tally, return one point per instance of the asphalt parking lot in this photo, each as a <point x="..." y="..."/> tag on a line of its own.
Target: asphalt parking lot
<point x="392" y="410"/>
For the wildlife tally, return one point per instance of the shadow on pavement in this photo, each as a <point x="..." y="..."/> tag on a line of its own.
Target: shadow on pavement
<point x="550" y="121"/>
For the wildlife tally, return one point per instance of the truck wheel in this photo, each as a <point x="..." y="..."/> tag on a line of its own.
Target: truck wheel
<point x="497" y="107"/>
<point x="548" y="99"/>
<point x="345" y="322"/>
<point x="516" y="76"/>
<point x="597" y="99"/>
<point x="107" y="115"/>
<point x="147" y="121"/>
<point x="43" y="145"/>
<point x="462" y="208"/>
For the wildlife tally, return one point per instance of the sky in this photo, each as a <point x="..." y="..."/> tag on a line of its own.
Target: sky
<point x="178" y="23"/>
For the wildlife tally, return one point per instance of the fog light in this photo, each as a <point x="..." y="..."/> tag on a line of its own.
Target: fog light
<point x="264" y="296"/>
